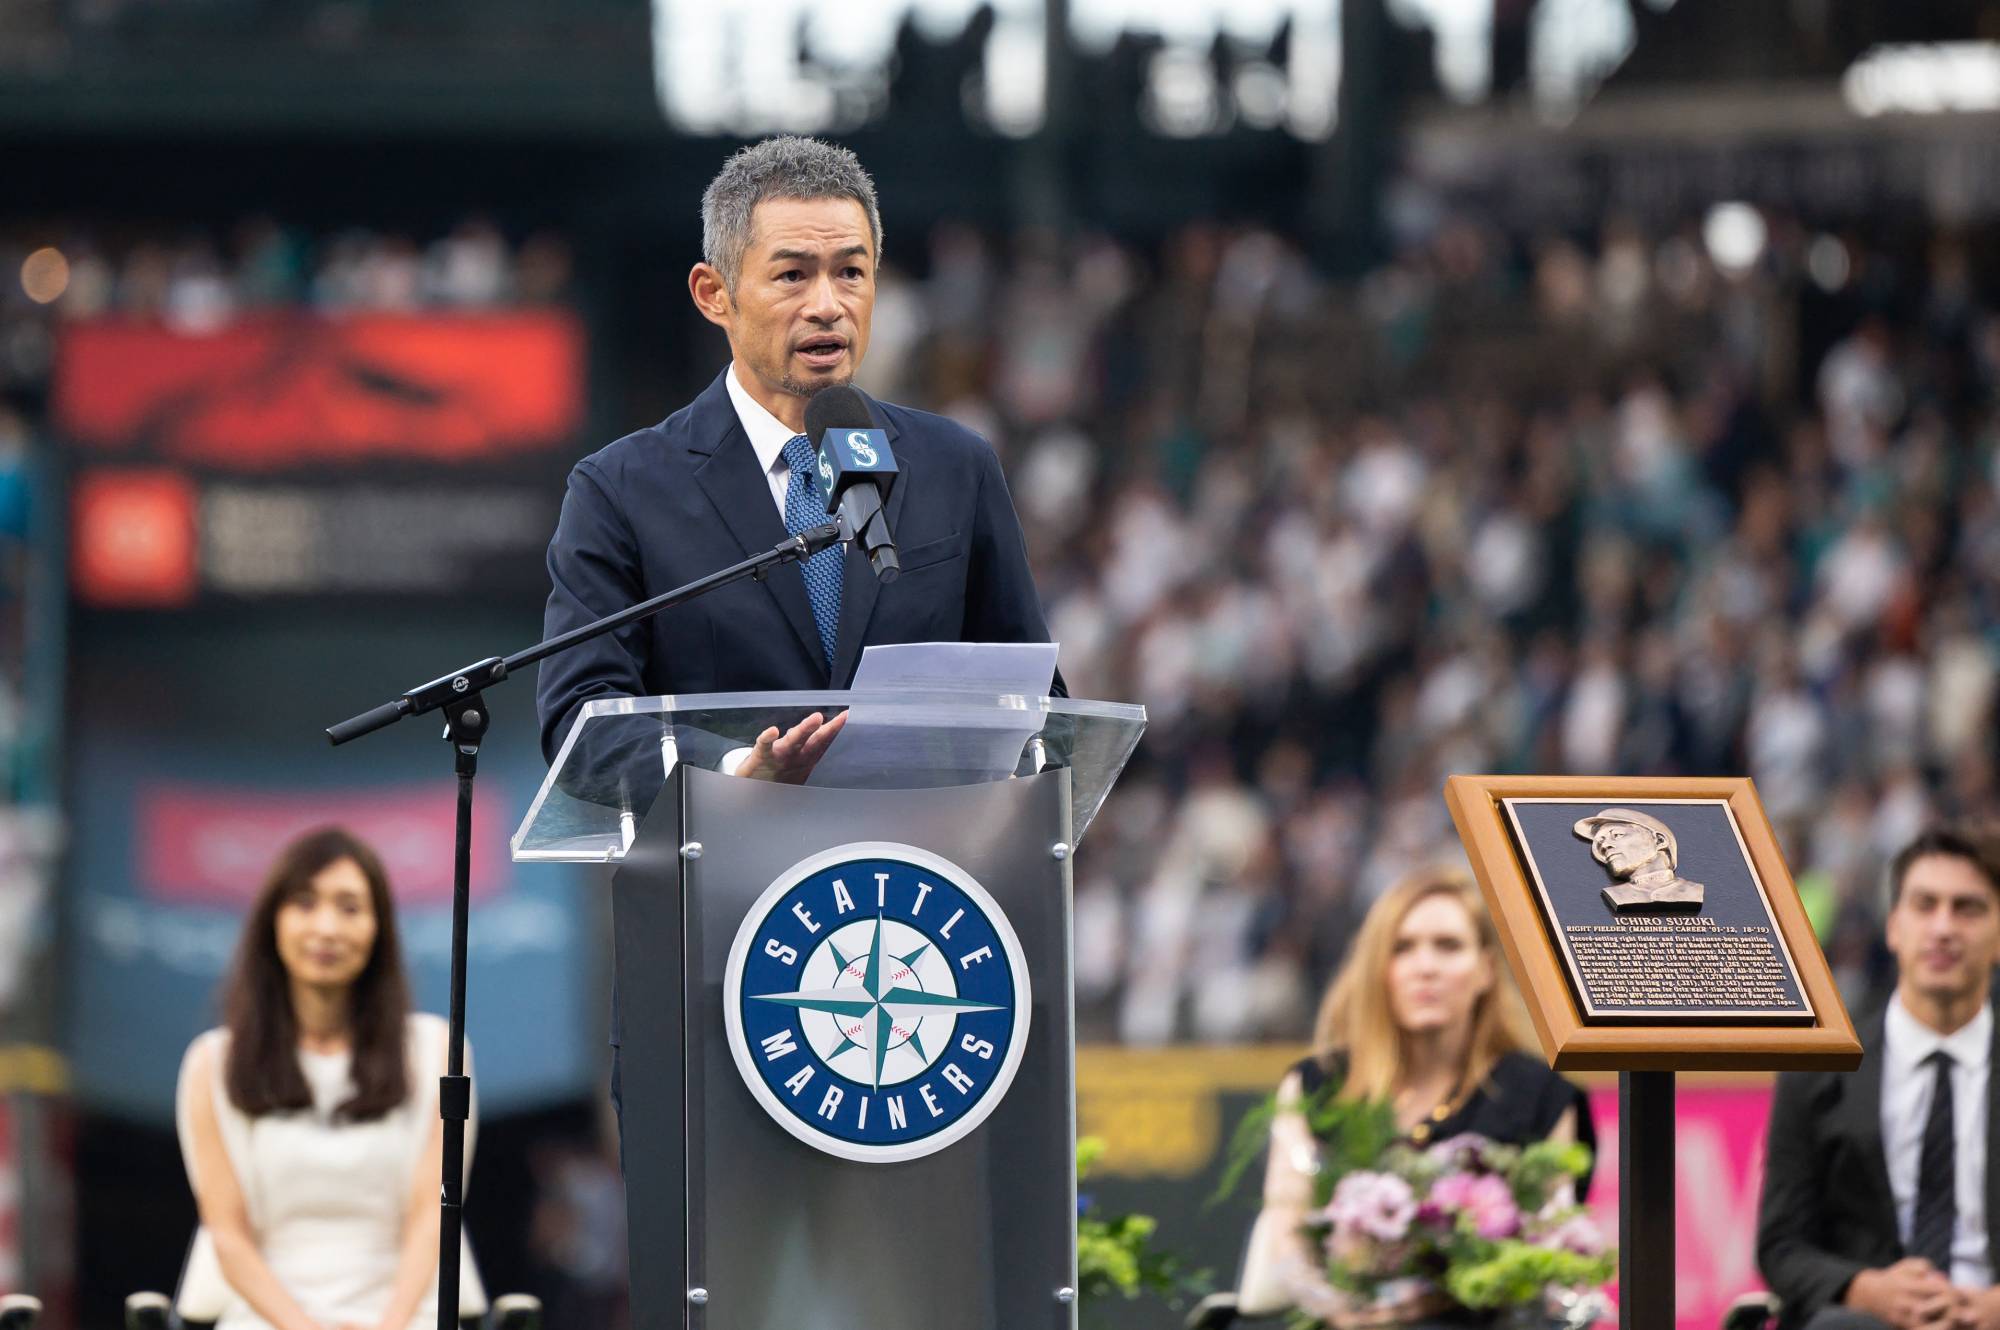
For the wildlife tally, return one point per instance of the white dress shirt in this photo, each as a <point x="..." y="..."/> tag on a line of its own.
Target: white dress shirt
<point x="768" y="437"/>
<point x="1906" y="1105"/>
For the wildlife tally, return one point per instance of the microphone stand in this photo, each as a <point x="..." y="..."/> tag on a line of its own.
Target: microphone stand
<point x="459" y="696"/>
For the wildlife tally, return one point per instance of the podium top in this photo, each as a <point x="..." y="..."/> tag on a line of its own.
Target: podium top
<point x="616" y="756"/>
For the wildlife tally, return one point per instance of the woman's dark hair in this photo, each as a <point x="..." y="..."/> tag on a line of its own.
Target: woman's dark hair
<point x="262" y="1074"/>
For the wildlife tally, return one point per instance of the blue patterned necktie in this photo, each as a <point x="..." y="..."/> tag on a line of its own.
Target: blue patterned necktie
<point x="805" y="508"/>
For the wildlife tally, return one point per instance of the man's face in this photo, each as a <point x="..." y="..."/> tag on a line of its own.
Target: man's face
<point x="1945" y="928"/>
<point x="798" y="319"/>
<point x="1623" y="848"/>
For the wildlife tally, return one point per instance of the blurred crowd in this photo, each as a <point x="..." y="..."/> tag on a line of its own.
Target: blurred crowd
<point x="1708" y="499"/>
<point x="1713" y="497"/>
<point x="198" y="282"/>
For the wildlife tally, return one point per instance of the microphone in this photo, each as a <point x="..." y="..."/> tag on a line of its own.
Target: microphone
<point x="857" y="469"/>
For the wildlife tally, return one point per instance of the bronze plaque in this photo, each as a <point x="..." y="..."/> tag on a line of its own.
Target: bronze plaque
<point x="1657" y="911"/>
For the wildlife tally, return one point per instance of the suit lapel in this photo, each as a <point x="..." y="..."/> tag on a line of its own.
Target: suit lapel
<point x="1862" y="1113"/>
<point x="859" y="586"/>
<point x="741" y="495"/>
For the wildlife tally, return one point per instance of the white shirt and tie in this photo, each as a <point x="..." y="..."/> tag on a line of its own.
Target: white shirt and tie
<point x="768" y="437"/>
<point x="1907" y="1088"/>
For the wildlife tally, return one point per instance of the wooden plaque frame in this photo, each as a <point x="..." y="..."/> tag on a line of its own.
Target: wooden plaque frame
<point x="1827" y="1042"/>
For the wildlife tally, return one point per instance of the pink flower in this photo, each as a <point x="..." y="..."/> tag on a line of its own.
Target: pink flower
<point x="1373" y="1205"/>
<point x="1483" y="1199"/>
<point x="1464" y="1150"/>
<point x="1449" y="1193"/>
<point x="1578" y="1233"/>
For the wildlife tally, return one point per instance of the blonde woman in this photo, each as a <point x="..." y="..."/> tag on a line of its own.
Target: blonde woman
<point x="1424" y="1018"/>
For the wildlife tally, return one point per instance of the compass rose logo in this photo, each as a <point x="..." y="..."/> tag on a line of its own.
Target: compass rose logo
<point x="877" y="1002"/>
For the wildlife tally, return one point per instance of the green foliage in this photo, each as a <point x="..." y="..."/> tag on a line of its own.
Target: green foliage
<point x="1354" y="1134"/>
<point x="1516" y="1273"/>
<point x="1111" y="1258"/>
<point x="1543" y="1165"/>
<point x="1246" y="1145"/>
<point x="1089" y="1149"/>
<point x="1114" y="1257"/>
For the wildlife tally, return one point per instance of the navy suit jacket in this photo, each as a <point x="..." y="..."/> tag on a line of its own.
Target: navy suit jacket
<point x="666" y="505"/>
<point x="1827" y="1212"/>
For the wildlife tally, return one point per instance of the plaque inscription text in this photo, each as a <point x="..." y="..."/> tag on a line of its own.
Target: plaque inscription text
<point x="1681" y="964"/>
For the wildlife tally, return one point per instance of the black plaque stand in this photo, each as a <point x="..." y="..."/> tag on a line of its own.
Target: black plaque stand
<point x="1645" y="1200"/>
<point x="459" y="696"/>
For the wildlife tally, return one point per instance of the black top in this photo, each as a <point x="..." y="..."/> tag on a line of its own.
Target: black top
<point x="1520" y="1102"/>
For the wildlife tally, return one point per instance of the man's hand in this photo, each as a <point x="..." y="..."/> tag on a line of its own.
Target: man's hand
<point x="1979" y="1309"/>
<point x="791" y="756"/>
<point x="1910" y="1295"/>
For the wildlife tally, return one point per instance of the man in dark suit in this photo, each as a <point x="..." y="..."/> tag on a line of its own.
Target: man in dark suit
<point x="791" y="237"/>
<point x="1881" y="1204"/>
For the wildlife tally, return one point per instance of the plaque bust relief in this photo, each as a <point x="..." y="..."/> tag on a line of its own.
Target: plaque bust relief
<point x="1640" y="852"/>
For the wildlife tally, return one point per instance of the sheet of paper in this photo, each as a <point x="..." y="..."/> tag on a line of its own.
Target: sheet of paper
<point x="989" y="668"/>
<point x="900" y="745"/>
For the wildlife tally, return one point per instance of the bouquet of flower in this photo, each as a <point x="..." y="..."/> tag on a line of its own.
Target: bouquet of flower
<point x="1465" y="1223"/>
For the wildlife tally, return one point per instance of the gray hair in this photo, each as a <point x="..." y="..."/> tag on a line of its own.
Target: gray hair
<point x="787" y="167"/>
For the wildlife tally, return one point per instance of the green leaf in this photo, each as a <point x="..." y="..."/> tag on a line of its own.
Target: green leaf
<point x="1114" y="1257"/>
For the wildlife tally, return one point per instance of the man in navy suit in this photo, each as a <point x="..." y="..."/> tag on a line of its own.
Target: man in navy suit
<point x="1881" y="1202"/>
<point x="790" y="237"/>
<point x="790" y="240"/>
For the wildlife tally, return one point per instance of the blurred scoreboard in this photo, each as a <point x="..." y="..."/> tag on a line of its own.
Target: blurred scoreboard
<point x="297" y="454"/>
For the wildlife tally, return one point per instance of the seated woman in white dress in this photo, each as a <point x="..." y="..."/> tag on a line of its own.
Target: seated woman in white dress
<point x="309" y="1122"/>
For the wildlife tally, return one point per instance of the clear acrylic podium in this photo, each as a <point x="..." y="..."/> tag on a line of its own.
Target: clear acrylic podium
<point x="841" y="1110"/>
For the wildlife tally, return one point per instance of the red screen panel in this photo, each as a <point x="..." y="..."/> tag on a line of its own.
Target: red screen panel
<point x="132" y="539"/>
<point x="287" y="390"/>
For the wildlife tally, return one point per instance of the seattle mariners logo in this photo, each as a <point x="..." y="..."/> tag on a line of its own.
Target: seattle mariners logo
<point x="877" y="1002"/>
<point x="864" y="451"/>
